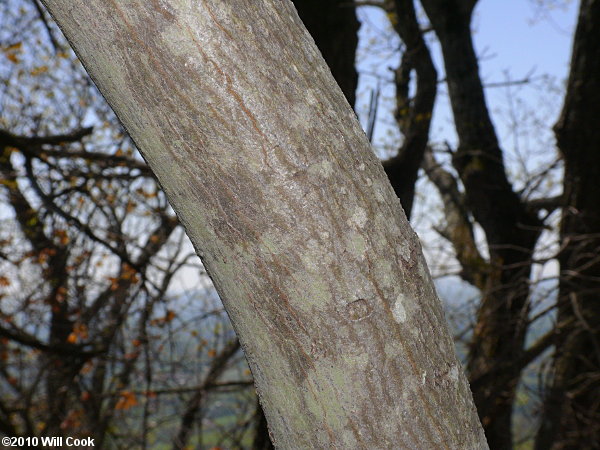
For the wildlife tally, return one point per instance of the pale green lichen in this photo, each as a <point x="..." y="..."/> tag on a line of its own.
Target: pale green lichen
<point x="315" y="293"/>
<point x="385" y="273"/>
<point x="327" y="382"/>
<point x="312" y="257"/>
<point x="358" y="218"/>
<point x="323" y="169"/>
<point x="270" y="244"/>
<point x="327" y="402"/>
<point x="399" y="310"/>
<point x="359" y="245"/>
<point x="379" y="193"/>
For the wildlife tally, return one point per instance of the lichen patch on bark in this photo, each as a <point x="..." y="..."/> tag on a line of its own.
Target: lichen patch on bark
<point x="399" y="310"/>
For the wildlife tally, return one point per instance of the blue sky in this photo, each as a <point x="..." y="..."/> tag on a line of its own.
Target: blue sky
<point x="522" y="34"/>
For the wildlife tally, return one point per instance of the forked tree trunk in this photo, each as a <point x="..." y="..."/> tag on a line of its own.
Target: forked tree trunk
<point x="266" y="166"/>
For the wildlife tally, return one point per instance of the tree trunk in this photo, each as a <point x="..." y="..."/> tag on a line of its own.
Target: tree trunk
<point x="266" y="166"/>
<point x="571" y="417"/>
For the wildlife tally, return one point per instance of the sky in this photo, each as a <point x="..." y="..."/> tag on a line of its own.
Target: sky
<point x="522" y="34"/>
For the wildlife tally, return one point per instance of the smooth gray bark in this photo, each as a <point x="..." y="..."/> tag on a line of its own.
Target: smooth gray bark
<point x="266" y="166"/>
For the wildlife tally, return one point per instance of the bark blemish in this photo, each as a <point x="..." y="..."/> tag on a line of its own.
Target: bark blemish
<point x="358" y="309"/>
<point x="318" y="350"/>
